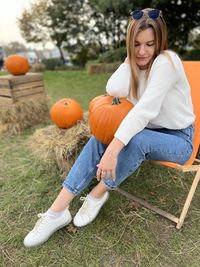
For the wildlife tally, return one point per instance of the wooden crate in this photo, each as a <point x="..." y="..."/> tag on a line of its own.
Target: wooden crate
<point x="19" y="88"/>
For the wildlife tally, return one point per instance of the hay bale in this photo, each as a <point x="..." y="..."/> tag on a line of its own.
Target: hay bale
<point x="102" y="68"/>
<point x="37" y="67"/>
<point x="15" y="117"/>
<point x="60" y="147"/>
<point x="10" y="128"/>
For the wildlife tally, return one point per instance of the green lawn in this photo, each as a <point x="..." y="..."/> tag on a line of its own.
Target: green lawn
<point x="121" y="235"/>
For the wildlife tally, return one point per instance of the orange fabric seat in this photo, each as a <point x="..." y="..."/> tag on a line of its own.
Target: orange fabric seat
<point x="192" y="69"/>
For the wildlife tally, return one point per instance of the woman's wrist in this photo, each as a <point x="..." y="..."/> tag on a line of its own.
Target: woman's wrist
<point x="115" y="147"/>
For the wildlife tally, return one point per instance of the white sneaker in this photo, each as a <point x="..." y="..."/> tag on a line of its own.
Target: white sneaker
<point x="45" y="227"/>
<point x="89" y="211"/>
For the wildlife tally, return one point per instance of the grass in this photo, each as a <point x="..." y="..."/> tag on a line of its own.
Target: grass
<point x="122" y="235"/>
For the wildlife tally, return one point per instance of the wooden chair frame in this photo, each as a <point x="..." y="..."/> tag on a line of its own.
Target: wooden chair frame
<point x="178" y="220"/>
<point x="193" y="165"/>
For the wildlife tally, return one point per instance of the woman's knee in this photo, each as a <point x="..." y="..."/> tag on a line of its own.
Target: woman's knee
<point x="138" y="144"/>
<point x="97" y="144"/>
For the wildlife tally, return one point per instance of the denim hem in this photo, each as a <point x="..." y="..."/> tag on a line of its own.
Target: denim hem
<point x="108" y="187"/>
<point x="86" y="178"/>
<point x="70" y="189"/>
<point x="117" y="182"/>
<point x="81" y="186"/>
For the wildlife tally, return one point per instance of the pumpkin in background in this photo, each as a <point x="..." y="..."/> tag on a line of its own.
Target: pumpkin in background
<point x="17" y="64"/>
<point x="105" y="116"/>
<point x="66" y="112"/>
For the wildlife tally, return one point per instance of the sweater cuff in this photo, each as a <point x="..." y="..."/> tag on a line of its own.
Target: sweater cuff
<point x="123" y="136"/>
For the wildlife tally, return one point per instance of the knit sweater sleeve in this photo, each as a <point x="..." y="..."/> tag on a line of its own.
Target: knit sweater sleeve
<point x="161" y="79"/>
<point x="119" y="83"/>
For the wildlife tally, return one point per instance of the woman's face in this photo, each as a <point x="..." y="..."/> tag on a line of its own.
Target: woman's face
<point x="144" y="48"/>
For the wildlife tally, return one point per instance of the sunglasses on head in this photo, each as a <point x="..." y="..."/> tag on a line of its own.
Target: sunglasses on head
<point x="152" y="14"/>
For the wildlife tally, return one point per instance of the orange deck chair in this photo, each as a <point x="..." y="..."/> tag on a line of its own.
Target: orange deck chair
<point x="192" y="69"/>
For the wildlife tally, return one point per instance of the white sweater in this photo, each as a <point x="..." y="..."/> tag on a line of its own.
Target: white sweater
<point x="164" y="100"/>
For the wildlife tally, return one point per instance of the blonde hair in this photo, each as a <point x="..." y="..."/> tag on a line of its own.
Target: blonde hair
<point x="160" y="33"/>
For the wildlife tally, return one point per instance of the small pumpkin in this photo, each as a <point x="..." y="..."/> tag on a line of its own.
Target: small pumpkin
<point x="17" y="64"/>
<point x="105" y="116"/>
<point x="66" y="112"/>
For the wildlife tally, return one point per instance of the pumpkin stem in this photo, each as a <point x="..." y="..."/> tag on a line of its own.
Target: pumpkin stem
<point x="65" y="103"/>
<point x="116" y="101"/>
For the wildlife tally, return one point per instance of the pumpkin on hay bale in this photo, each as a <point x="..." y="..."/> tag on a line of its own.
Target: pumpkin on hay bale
<point x="58" y="146"/>
<point x="66" y="112"/>
<point x="105" y="115"/>
<point x="16" y="117"/>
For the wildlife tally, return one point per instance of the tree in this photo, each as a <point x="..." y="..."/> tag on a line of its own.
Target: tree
<point x="63" y="22"/>
<point x="181" y="17"/>
<point x="194" y="39"/>
<point x="102" y="24"/>
<point x="34" y="23"/>
<point x="14" y="48"/>
<point x="110" y="21"/>
<point x="67" y="24"/>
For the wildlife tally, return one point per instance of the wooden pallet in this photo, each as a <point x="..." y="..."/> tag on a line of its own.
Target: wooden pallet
<point x="19" y="88"/>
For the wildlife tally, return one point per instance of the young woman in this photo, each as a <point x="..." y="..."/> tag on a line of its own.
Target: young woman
<point x="159" y="126"/>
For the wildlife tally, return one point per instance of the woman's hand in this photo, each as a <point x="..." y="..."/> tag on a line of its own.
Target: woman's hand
<point x="107" y="166"/>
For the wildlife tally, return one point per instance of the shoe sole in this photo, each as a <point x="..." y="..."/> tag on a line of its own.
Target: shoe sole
<point x="43" y="241"/>
<point x="95" y="216"/>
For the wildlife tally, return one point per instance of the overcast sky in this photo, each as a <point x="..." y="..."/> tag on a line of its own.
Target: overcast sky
<point x="10" y="10"/>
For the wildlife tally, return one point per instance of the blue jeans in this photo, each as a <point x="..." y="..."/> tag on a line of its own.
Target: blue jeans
<point x="151" y="144"/>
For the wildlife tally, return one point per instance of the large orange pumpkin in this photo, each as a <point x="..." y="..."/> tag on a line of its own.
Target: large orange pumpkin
<point x="66" y="112"/>
<point x="17" y="64"/>
<point x="105" y="116"/>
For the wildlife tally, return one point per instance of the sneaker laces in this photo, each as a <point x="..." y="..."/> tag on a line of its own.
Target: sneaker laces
<point x="86" y="207"/>
<point x="39" y="223"/>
